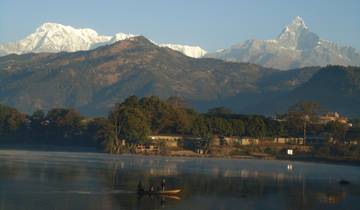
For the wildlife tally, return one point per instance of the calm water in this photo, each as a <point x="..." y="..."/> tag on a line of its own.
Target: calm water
<point x="67" y="180"/>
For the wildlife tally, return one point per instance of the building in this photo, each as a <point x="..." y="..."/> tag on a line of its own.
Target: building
<point x="352" y="142"/>
<point x="289" y="140"/>
<point x="230" y="141"/>
<point x="167" y="140"/>
<point x="319" y="139"/>
<point x="146" y="148"/>
<point x="332" y="117"/>
<point x="166" y="137"/>
<point x="249" y="141"/>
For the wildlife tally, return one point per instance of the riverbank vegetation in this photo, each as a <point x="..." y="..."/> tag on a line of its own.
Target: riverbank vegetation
<point x="135" y="119"/>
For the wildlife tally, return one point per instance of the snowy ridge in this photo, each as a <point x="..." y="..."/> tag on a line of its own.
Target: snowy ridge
<point x="191" y="51"/>
<point x="54" y="37"/>
<point x="296" y="46"/>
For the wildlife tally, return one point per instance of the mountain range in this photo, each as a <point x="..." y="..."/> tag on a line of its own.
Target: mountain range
<point x="91" y="73"/>
<point x="295" y="47"/>
<point x="54" y="37"/>
<point x="94" y="80"/>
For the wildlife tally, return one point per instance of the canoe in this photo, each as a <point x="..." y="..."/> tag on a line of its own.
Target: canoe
<point x="162" y="192"/>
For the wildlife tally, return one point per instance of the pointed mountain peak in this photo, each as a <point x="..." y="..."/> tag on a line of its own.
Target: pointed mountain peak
<point x="297" y="25"/>
<point x="298" y="22"/>
<point x="297" y="35"/>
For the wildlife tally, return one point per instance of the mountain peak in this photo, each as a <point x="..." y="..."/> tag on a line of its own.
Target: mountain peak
<point x="296" y="46"/>
<point x="191" y="51"/>
<point x="298" y="22"/>
<point x="55" y="37"/>
<point x="296" y="26"/>
<point x="297" y="36"/>
<point x="52" y="28"/>
<point x="49" y="25"/>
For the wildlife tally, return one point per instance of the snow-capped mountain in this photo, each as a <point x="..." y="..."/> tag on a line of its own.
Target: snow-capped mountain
<point x="54" y="37"/>
<point x="296" y="46"/>
<point x="191" y="51"/>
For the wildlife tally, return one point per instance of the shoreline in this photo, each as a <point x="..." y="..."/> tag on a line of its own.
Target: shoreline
<point x="57" y="148"/>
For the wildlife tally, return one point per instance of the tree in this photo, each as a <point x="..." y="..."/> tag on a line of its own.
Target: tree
<point x="256" y="127"/>
<point x="64" y="124"/>
<point x="238" y="127"/>
<point x="201" y="128"/>
<point x="130" y="124"/>
<point x="306" y="109"/>
<point x="337" y="130"/>
<point x="10" y="120"/>
<point x="301" y="115"/>
<point x="219" y="111"/>
<point x="38" y="115"/>
<point x="275" y="128"/>
<point x="177" y="102"/>
<point x="102" y="132"/>
<point x="220" y="126"/>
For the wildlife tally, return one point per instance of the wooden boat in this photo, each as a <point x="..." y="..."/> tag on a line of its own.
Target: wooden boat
<point x="161" y="192"/>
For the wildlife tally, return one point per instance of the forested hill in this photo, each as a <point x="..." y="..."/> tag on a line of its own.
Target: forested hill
<point x="93" y="81"/>
<point x="336" y="88"/>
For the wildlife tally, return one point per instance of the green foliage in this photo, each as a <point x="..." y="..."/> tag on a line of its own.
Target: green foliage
<point x="276" y="128"/>
<point x="132" y="125"/>
<point x="337" y="130"/>
<point x="10" y="121"/>
<point x="238" y="127"/>
<point x="135" y="119"/>
<point x="102" y="133"/>
<point x="304" y="114"/>
<point x="201" y="128"/>
<point x="256" y="127"/>
<point x="219" y="111"/>
<point x="307" y="108"/>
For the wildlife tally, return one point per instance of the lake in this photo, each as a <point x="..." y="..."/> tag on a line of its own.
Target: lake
<point x="38" y="180"/>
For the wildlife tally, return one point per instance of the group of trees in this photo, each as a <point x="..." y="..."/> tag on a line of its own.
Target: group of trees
<point x="135" y="119"/>
<point x="57" y="127"/>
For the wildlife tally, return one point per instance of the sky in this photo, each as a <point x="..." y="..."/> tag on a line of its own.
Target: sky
<point x="211" y="24"/>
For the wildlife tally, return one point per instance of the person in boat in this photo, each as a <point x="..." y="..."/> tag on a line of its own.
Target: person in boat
<point x="162" y="185"/>
<point x="140" y="187"/>
<point x="151" y="188"/>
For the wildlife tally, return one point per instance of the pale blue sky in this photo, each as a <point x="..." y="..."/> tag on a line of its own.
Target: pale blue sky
<point x="210" y="24"/>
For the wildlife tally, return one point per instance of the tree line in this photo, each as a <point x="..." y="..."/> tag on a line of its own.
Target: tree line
<point x="136" y="118"/>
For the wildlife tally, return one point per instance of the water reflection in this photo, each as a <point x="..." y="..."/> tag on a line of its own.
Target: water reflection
<point x="289" y="167"/>
<point x="30" y="180"/>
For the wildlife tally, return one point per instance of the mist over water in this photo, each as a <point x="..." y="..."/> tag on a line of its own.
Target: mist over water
<point x="71" y="180"/>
